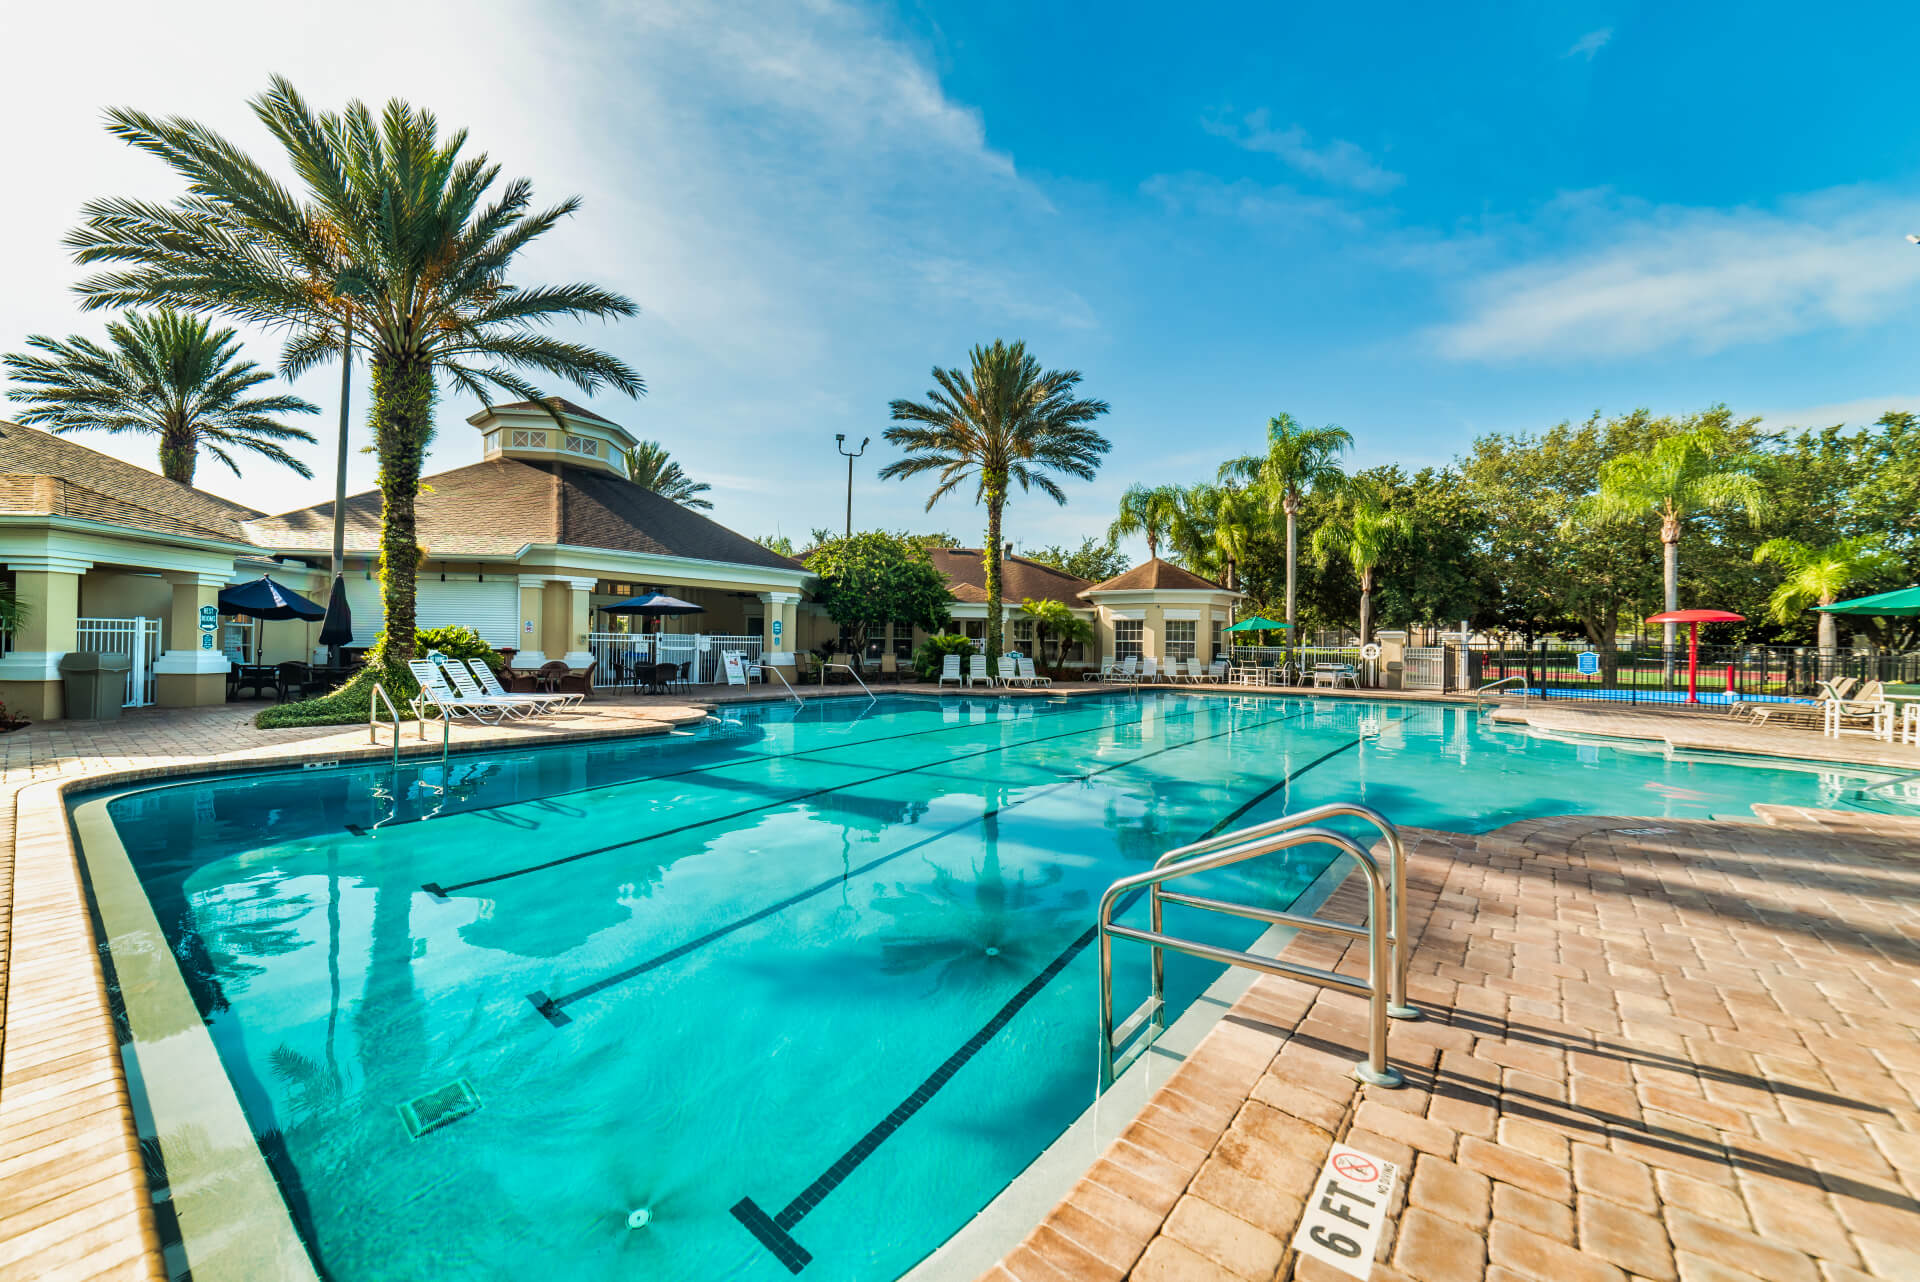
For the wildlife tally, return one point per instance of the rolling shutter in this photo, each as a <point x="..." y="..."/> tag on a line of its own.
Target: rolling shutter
<point x="491" y="608"/>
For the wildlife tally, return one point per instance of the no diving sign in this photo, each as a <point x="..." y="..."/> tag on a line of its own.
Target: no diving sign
<point x="1347" y="1210"/>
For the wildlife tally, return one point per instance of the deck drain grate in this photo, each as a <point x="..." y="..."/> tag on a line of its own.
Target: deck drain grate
<point x="437" y="1108"/>
<point x="1647" y="832"/>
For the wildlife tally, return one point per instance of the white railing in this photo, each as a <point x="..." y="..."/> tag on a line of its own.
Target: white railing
<point x="699" y="650"/>
<point x="1424" y="668"/>
<point x="138" y="639"/>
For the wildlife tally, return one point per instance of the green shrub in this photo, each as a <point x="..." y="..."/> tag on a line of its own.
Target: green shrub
<point x="455" y="642"/>
<point x="928" y="658"/>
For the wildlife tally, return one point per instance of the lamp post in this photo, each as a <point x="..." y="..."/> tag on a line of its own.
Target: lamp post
<point x="840" y="444"/>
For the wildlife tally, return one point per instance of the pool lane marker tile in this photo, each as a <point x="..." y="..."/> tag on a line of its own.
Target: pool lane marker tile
<point x="438" y="1108"/>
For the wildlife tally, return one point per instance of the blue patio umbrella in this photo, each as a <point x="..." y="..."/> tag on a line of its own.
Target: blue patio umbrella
<point x="265" y="599"/>
<point x="653" y="605"/>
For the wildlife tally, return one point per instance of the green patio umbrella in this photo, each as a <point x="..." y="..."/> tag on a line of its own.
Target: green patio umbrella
<point x="1257" y="623"/>
<point x="1900" y="602"/>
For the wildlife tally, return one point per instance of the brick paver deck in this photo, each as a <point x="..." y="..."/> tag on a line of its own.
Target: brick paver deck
<point x="1655" y="1049"/>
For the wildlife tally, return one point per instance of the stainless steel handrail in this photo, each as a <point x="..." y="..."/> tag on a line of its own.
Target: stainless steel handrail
<point x="848" y="669"/>
<point x="775" y="669"/>
<point x="1888" y="783"/>
<point x="1397" y="1005"/>
<point x="1494" y="685"/>
<point x="373" y="720"/>
<point x="1373" y="1070"/>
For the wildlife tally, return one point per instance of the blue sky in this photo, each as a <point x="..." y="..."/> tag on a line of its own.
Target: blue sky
<point x="1421" y="222"/>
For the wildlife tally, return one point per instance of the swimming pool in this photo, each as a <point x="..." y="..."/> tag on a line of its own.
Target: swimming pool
<point x="802" y="990"/>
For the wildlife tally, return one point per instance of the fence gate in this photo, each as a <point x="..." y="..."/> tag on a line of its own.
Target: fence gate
<point x="1425" y="668"/>
<point x="138" y="639"/>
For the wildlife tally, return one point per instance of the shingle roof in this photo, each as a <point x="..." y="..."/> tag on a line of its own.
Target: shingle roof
<point x="560" y="403"/>
<point x="1020" y="579"/>
<point x="497" y="507"/>
<point x="1154" y="575"/>
<point x="48" y="475"/>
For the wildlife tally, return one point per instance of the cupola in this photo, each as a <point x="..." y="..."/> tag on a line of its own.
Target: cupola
<point x="527" y="431"/>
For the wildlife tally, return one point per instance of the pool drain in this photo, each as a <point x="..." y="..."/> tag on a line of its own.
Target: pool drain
<point x="639" y="1218"/>
<point x="993" y="951"/>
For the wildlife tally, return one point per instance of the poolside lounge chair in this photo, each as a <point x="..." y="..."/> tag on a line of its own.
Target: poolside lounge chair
<point x="950" y="670"/>
<point x="1103" y="673"/>
<point x="1010" y="670"/>
<point x="977" y="671"/>
<point x="1030" y="676"/>
<point x="436" y="691"/>
<point x="1125" y="672"/>
<point x="1150" y="671"/>
<point x="490" y="686"/>
<point x="1198" y="673"/>
<point x="1217" y="671"/>
<point x="1811" y="716"/>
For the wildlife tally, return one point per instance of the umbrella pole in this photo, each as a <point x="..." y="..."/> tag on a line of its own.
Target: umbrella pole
<point x="1693" y="663"/>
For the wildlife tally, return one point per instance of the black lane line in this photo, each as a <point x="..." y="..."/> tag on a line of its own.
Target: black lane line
<point x="747" y="758"/>
<point x="1229" y="821"/>
<point x="442" y="892"/>
<point x="774" y="1231"/>
<point x="552" y="1008"/>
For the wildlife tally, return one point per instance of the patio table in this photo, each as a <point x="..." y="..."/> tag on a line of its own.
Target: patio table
<point x="257" y="677"/>
<point x="1252" y="674"/>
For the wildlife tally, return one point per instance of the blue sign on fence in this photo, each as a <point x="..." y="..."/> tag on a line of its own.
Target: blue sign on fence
<point x="1588" y="663"/>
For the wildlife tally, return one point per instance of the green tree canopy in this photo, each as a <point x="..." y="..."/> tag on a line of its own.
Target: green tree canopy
<point x="1093" y="560"/>
<point x="874" y="578"/>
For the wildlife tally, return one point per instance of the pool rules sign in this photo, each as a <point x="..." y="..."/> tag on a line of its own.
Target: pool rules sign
<point x="1347" y="1210"/>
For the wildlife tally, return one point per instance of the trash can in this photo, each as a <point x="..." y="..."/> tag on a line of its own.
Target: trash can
<point x="96" y="685"/>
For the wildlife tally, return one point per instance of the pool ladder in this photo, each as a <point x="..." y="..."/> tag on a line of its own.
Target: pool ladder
<point x="1385" y="987"/>
<point x="1478" y="694"/>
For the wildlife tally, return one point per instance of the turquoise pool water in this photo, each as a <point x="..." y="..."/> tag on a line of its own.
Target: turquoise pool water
<point x="827" y="967"/>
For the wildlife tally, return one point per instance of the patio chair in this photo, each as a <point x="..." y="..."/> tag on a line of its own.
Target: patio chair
<point x="437" y="692"/>
<point x="292" y="680"/>
<point x="1150" y="671"/>
<point x="977" y="671"/>
<point x="950" y="670"/>
<point x="1837" y="690"/>
<point x="1125" y="672"/>
<point x="1104" y="672"/>
<point x="490" y="685"/>
<point x="1331" y="675"/>
<point x="1030" y="676"/>
<point x="1868" y="707"/>
<point x="1010" y="671"/>
<point x="1198" y="673"/>
<point x="465" y="685"/>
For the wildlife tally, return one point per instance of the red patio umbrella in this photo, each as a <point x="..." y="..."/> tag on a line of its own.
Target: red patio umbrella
<point x="1693" y="619"/>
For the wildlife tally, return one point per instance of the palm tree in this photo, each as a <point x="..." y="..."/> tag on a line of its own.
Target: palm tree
<point x="1146" y="509"/>
<point x="166" y="375"/>
<point x="1298" y="461"/>
<point x="1360" y="529"/>
<point x="390" y="241"/>
<point x="649" y="467"/>
<point x="1211" y="527"/>
<point x="1677" y="478"/>
<point x="1817" y="576"/>
<point x="1002" y="422"/>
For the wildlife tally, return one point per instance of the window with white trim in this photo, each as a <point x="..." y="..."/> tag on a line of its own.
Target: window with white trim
<point x="525" y="440"/>
<point x="1219" y="637"/>
<point x="1127" y="637"/>
<point x="1023" y="635"/>
<point x="583" y="445"/>
<point x="1180" y="638"/>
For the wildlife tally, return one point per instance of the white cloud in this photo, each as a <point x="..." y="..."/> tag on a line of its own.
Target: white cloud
<point x="1856" y="413"/>
<point x="1215" y="197"/>
<point x="1590" y="44"/>
<point x="804" y="217"/>
<point x="1643" y="279"/>
<point x="1340" y="163"/>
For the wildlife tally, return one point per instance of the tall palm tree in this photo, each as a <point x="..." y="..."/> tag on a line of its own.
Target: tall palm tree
<point x="1149" y="510"/>
<point x="391" y="239"/>
<point x="1001" y="422"/>
<point x="1818" y="575"/>
<point x="1360" y="529"/>
<point x="649" y="467"/>
<point x="166" y="375"/>
<point x="1298" y="461"/>
<point x="1211" y="527"/>
<point x="1676" y="479"/>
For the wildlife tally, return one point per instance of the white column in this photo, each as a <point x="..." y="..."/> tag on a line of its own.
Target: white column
<point x="532" y="653"/>
<point x="579" y="620"/>
<point x="195" y="651"/>
<point x="779" y="622"/>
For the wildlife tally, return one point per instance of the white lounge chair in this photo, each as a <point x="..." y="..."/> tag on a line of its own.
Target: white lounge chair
<point x="977" y="671"/>
<point x="1010" y="670"/>
<point x="1030" y="676"/>
<point x="1217" y="671"/>
<point x="1197" y="673"/>
<point x="1105" y="672"/>
<point x="437" y="692"/>
<point x="1150" y="671"/>
<point x="489" y="685"/>
<point x="1125" y="672"/>
<point x="950" y="670"/>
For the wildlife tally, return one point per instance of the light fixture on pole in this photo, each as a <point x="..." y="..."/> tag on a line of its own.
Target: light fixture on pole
<point x="840" y="444"/>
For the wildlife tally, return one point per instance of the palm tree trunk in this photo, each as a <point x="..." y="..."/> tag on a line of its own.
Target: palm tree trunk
<point x="1829" y="630"/>
<point x="1670" y="556"/>
<point x="178" y="453"/>
<point x="1366" y="602"/>
<point x="402" y="419"/>
<point x="1292" y="506"/>
<point x="996" y="500"/>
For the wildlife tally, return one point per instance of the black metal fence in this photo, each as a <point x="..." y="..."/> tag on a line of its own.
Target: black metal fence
<point x="1725" y="674"/>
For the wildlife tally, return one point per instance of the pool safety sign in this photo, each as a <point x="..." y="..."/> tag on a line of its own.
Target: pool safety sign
<point x="1588" y="663"/>
<point x="1347" y="1210"/>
